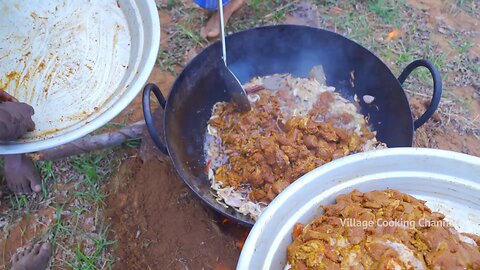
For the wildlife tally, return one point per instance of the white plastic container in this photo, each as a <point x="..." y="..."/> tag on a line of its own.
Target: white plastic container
<point x="78" y="63"/>
<point x="448" y="181"/>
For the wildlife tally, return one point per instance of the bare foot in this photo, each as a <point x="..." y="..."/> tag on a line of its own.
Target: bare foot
<point x="33" y="258"/>
<point x="212" y="29"/>
<point x="21" y="175"/>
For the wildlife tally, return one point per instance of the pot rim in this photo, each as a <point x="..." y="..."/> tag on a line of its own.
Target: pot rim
<point x="287" y="197"/>
<point x="218" y="208"/>
<point x="152" y="42"/>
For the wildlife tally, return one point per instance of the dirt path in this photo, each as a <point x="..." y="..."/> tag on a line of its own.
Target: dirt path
<point x="160" y="224"/>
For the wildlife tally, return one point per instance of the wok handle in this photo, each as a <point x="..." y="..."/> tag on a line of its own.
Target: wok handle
<point x="437" y="88"/>
<point x="148" y="114"/>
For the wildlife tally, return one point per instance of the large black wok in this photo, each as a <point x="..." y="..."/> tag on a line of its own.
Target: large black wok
<point x="279" y="49"/>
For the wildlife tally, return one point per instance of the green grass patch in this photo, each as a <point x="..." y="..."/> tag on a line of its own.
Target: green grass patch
<point x="112" y="125"/>
<point x="167" y="61"/>
<point x="424" y="74"/>
<point x="47" y="174"/>
<point x="472" y="65"/>
<point x="192" y="37"/>
<point x="464" y="47"/>
<point x="95" y="258"/>
<point x="80" y="249"/>
<point x="91" y="166"/>
<point x="388" y="10"/>
<point x="58" y="228"/>
<point x="133" y="143"/>
<point x="469" y="6"/>
<point x="261" y="13"/>
<point x="19" y="203"/>
<point x="86" y="262"/>
<point x="355" y="27"/>
<point x="460" y="44"/>
<point x="173" y="4"/>
<point x="438" y="59"/>
<point x="255" y="4"/>
<point x="329" y="3"/>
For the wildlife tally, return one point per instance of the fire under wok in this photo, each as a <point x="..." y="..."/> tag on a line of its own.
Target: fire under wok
<point x="277" y="50"/>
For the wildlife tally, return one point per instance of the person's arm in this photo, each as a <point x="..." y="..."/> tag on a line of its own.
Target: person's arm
<point x="15" y="118"/>
<point x="4" y="97"/>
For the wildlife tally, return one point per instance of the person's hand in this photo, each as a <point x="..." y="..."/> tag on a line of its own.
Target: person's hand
<point x="15" y="120"/>
<point x="5" y="97"/>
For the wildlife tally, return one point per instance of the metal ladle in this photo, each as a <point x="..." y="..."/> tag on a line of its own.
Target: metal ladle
<point x="232" y="84"/>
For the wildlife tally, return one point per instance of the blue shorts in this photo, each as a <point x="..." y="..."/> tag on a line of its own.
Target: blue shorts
<point x="209" y="4"/>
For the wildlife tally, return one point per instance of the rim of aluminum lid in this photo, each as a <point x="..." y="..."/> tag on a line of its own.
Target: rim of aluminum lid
<point x="78" y="63"/>
<point x="447" y="180"/>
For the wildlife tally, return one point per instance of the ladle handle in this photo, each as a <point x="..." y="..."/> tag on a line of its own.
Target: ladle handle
<point x="437" y="88"/>
<point x="148" y="114"/>
<point x="222" y="31"/>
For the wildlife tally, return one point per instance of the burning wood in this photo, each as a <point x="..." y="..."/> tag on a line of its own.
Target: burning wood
<point x="92" y="143"/>
<point x="236" y="230"/>
<point x="241" y="243"/>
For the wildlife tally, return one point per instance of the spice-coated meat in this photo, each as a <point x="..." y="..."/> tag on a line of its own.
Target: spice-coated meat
<point x="382" y="229"/>
<point x="269" y="149"/>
